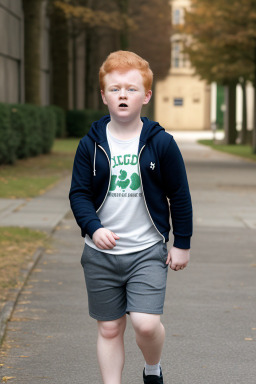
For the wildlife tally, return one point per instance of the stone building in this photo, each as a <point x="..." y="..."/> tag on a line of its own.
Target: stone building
<point x="12" y="53"/>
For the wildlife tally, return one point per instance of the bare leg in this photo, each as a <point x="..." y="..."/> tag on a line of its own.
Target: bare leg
<point x="110" y="349"/>
<point x="150" y="334"/>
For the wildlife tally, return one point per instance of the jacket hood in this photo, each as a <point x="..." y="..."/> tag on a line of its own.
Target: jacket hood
<point x="98" y="129"/>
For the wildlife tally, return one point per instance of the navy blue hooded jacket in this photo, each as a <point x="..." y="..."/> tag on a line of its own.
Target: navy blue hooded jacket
<point x="165" y="187"/>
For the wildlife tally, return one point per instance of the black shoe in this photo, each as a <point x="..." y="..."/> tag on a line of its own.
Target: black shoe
<point x="153" y="379"/>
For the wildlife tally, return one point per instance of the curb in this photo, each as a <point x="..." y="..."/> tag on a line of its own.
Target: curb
<point x="9" y="306"/>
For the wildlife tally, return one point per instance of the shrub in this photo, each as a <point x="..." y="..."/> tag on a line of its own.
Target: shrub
<point x="8" y="140"/>
<point x="20" y="129"/>
<point x="25" y="130"/>
<point x="33" y="129"/>
<point x="60" y="116"/>
<point x="48" y="128"/>
<point x="79" y="121"/>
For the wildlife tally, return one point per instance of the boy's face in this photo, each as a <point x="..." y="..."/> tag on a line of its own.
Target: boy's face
<point x="124" y="94"/>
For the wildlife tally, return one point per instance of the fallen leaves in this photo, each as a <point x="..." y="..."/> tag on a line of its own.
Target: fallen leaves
<point x="6" y="378"/>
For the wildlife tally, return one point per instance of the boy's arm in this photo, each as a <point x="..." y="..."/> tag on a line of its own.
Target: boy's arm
<point x="177" y="191"/>
<point x="81" y="195"/>
<point x="81" y="201"/>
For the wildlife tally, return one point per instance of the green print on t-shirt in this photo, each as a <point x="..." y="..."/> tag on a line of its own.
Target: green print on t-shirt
<point x="123" y="182"/>
<point x="124" y="160"/>
<point x="135" y="179"/>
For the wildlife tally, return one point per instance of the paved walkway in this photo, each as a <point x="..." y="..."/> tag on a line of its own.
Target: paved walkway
<point x="210" y="312"/>
<point x="43" y="213"/>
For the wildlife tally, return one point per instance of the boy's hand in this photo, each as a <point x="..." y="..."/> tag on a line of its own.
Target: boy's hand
<point x="178" y="258"/>
<point x="103" y="238"/>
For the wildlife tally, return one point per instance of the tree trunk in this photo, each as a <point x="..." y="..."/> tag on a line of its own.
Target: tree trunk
<point x="88" y="52"/>
<point x="59" y="59"/>
<point x="244" y="122"/>
<point x="92" y="68"/>
<point x="74" y="69"/>
<point x="230" y="114"/>
<point x="124" y="42"/>
<point x="254" y="109"/>
<point x="32" y="50"/>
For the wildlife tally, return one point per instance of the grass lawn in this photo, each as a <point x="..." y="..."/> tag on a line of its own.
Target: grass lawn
<point x="32" y="177"/>
<point x="26" y="179"/>
<point x="244" y="151"/>
<point x="17" y="246"/>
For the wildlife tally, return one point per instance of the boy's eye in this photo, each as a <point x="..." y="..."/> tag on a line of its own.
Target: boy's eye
<point x="114" y="89"/>
<point x="132" y="89"/>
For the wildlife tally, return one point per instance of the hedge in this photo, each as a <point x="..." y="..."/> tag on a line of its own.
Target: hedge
<point x="8" y="140"/>
<point x="28" y="130"/>
<point x="80" y="121"/>
<point x="60" y="116"/>
<point x="25" y="130"/>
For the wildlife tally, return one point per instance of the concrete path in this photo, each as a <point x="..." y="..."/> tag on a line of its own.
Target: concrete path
<point x="210" y="311"/>
<point x="43" y="212"/>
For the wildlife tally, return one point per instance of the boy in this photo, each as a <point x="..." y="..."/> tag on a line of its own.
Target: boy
<point x="128" y="174"/>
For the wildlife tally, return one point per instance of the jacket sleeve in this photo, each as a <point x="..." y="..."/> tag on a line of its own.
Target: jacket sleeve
<point x="177" y="191"/>
<point x="81" y="194"/>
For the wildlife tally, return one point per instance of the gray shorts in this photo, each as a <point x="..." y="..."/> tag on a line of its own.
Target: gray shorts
<point x="119" y="284"/>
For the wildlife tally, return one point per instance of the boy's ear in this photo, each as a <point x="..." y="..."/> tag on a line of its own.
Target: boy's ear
<point x="103" y="97"/>
<point x="147" y="97"/>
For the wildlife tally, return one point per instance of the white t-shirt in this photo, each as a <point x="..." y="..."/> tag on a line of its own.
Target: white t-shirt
<point x="124" y="211"/>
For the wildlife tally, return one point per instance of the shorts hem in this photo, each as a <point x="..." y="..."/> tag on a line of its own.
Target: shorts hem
<point x="106" y="318"/>
<point x="148" y="311"/>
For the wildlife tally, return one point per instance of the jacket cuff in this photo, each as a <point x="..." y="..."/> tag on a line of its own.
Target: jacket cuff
<point x="182" y="242"/>
<point x="93" y="226"/>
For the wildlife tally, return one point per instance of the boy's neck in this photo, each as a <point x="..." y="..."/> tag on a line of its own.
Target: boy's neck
<point x="125" y="130"/>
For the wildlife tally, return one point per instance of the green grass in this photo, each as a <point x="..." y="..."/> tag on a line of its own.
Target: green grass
<point x="25" y="186"/>
<point x="244" y="151"/>
<point x="17" y="247"/>
<point x="17" y="234"/>
<point x="32" y="177"/>
<point x="65" y="145"/>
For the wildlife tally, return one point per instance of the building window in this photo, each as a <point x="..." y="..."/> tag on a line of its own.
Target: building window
<point x="179" y="59"/>
<point x="178" y="101"/>
<point x="178" y="16"/>
<point x="176" y="55"/>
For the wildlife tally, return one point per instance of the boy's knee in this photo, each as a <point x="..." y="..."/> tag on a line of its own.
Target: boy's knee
<point x="147" y="327"/>
<point x="111" y="329"/>
<point x="146" y="330"/>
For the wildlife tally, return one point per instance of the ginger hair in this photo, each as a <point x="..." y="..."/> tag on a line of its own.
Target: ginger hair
<point x="123" y="61"/>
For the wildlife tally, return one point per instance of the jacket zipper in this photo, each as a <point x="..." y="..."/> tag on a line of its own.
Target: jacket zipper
<point x="109" y="178"/>
<point x="145" y="198"/>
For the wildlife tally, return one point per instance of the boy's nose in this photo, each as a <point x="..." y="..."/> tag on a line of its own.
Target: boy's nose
<point x="123" y="93"/>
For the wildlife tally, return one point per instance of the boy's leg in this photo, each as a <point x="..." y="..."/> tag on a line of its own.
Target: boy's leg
<point x="110" y="349"/>
<point x="150" y="334"/>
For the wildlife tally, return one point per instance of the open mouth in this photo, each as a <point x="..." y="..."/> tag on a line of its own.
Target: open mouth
<point x="123" y="105"/>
